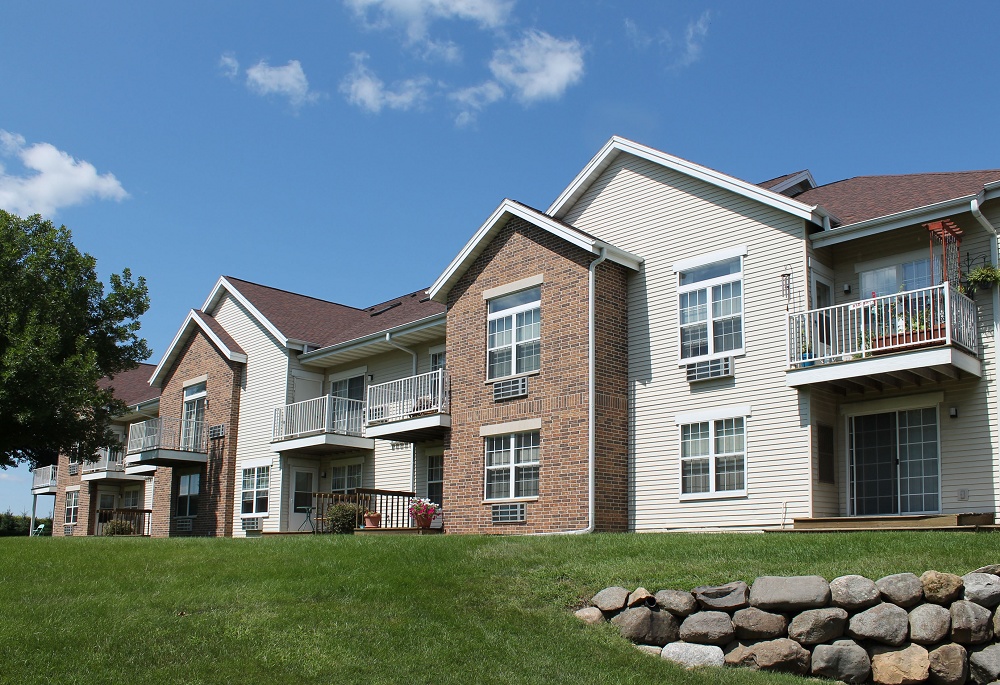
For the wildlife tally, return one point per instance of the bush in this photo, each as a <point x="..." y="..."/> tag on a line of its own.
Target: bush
<point x="118" y="527"/>
<point x="342" y="518"/>
<point x="20" y="524"/>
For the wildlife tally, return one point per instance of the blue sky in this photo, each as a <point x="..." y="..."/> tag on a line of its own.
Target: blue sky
<point x="347" y="150"/>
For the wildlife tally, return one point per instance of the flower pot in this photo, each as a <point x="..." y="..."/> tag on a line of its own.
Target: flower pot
<point x="373" y="520"/>
<point x="423" y="520"/>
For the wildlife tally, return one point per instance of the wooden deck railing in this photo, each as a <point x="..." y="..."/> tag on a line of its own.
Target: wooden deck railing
<point x="392" y="504"/>
<point x="125" y="522"/>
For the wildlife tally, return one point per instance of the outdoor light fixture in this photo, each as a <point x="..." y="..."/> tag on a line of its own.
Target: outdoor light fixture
<point x="847" y="288"/>
<point x="322" y="474"/>
<point x="953" y="412"/>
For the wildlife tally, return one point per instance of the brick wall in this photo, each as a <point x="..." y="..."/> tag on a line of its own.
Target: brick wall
<point x="557" y="394"/>
<point x="85" y="515"/>
<point x="215" y="502"/>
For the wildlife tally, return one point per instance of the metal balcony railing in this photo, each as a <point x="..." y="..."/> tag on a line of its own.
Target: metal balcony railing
<point x="108" y="459"/>
<point x="427" y="393"/>
<point x="326" y="414"/>
<point x="166" y="433"/>
<point x="44" y="477"/>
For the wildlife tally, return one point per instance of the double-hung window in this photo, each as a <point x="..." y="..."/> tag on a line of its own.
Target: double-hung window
<point x="72" y="506"/>
<point x="345" y="477"/>
<point x="713" y="457"/>
<point x="188" y="489"/>
<point x="512" y="463"/>
<point x="710" y="303"/>
<point x="514" y="333"/>
<point x="256" y="482"/>
<point x="435" y="478"/>
<point x="887" y="279"/>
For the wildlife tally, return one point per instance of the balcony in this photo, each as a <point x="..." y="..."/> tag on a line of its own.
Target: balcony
<point x="909" y="338"/>
<point x="123" y="522"/>
<point x="409" y="409"/>
<point x="167" y="441"/>
<point x="320" y="426"/>
<point x="43" y="480"/>
<point x="110" y="465"/>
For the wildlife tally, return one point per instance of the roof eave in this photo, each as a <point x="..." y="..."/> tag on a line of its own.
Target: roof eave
<point x="224" y="284"/>
<point x="372" y="338"/>
<point x="173" y="349"/>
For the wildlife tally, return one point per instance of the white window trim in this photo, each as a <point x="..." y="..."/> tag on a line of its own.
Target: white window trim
<point x="512" y="467"/>
<point x="203" y="378"/>
<point x="516" y="286"/>
<point x="710" y="258"/>
<point x="707" y="285"/>
<point x="270" y="475"/>
<point x="512" y="313"/>
<point x="75" y="507"/>
<point x="255" y="462"/>
<point x="73" y="488"/>
<point x="522" y="426"/>
<point x="923" y="401"/>
<point x="350" y="373"/>
<point x="713" y="413"/>
<point x="711" y="416"/>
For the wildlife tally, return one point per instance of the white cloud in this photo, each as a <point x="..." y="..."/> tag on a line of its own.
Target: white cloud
<point x="228" y="65"/>
<point x="539" y="67"/>
<point x="287" y="81"/>
<point x="415" y="16"/>
<point x="59" y="179"/>
<point x="473" y="99"/>
<point x="366" y="90"/>
<point x="694" y="37"/>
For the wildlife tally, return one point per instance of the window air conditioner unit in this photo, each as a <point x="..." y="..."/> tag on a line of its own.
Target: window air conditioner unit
<point x="515" y="387"/>
<point x="218" y="431"/>
<point x="508" y="513"/>
<point x="704" y="371"/>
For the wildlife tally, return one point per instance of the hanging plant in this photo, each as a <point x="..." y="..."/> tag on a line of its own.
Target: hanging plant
<point x="985" y="276"/>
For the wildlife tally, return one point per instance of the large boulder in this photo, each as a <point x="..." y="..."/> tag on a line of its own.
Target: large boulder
<point x="640" y="597"/>
<point x="728" y="597"/>
<point x="818" y="625"/>
<point x="652" y="650"/>
<point x="970" y="623"/>
<point x="982" y="588"/>
<point x="929" y="623"/>
<point x="854" y="593"/>
<point x="844" y="660"/>
<point x="984" y="664"/>
<point x="776" y="655"/>
<point x="949" y="665"/>
<point x="755" y="624"/>
<point x="885" y="623"/>
<point x="677" y="602"/>
<point x="907" y="666"/>
<point x="941" y="588"/>
<point x="708" y="628"/>
<point x="990" y="568"/>
<point x="735" y="651"/>
<point x="691" y="655"/>
<point x="902" y="589"/>
<point x="590" y="615"/>
<point x="644" y="626"/>
<point x="610" y="599"/>
<point x="794" y="593"/>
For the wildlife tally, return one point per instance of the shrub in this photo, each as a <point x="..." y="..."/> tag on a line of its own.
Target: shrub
<point x="342" y="518"/>
<point x="118" y="527"/>
<point x="19" y="524"/>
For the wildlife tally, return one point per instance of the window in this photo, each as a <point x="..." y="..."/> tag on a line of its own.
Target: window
<point x="193" y="425"/>
<point x="188" y="487"/>
<point x="345" y="477"/>
<point x="437" y="360"/>
<point x="894" y="278"/>
<point x="256" y="482"/>
<point x="72" y="506"/>
<point x="512" y="465"/>
<point x="347" y="402"/>
<point x="514" y="334"/>
<point x="711" y="309"/>
<point x="435" y="478"/>
<point x="713" y="457"/>
<point x="130" y="499"/>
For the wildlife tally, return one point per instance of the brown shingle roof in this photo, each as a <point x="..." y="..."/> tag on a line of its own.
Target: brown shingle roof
<point x="867" y="197"/>
<point x="132" y="387"/>
<point x="217" y="328"/>
<point x="767" y="185"/>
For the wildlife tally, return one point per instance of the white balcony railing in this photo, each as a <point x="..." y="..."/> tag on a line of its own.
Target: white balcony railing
<point x="405" y="398"/>
<point x="108" y="459"/>
<point x="166" y="433"/>
<point x="938" y="315"/>
<point x="44" y="477"/>
<point x="326" y="414"/>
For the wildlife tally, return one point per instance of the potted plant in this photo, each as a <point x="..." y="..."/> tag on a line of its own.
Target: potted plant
<point x="985" y="276"/>
<point x="424" y="511"/>
<point x="373" y="519"/>
<point x="807" y="354"/>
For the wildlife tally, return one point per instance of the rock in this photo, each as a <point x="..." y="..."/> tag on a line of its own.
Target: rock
<point x="590" y="615"/>
<point x="795" y="593"/>
<point x="691" y="656"/>
<point x="991" y="568"/>
<point x="908" y="666"/>
<point x="754" y="624"/>
<point x="941" y="588"/>
<point x="652" y="650"/>
<point x="902" y="589"/>
<point x="844" y="660"/>
<point x="984" y="664"/>
<point x="885" y="623"/>
<point x="970" y="623"/>
<point x="735" y="651"/>
<point x="708" y="628"/>
<point x="728" y="597"/>
<point x="644" y="626"/>
<point x="982" y="588"/>
<point x="641" y="597"/>
<point x="677" y="602"/>
<point x="776" y="655"/>
<point x="929" y="623"/>
<point x="610" y="599"/>
<point x="854" y="593"/>
<point x="949" y="665"/>
<point x="818" y="625"/>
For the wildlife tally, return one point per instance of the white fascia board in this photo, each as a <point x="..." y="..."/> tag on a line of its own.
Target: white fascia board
<point x="261" y="319"/>
<point x="890" y="222"/>
<point x="804" y="175"/>
<point x="190" y="321"/>
<point x="616" y="145"/>
<point x="374" y="338"/>
<point x="217" y="341"/>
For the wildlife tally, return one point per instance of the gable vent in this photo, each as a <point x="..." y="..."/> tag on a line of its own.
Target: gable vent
<point x="714" y="368"/>
<point x="508" y="513"/>
<point x="515" y="387"/>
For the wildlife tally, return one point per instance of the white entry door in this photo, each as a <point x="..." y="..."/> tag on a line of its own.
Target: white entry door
<point x="300" y="503"/>
<point x="106" y="500"/>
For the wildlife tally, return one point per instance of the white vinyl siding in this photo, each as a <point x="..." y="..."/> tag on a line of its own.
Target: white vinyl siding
<point x="667" y="217"/>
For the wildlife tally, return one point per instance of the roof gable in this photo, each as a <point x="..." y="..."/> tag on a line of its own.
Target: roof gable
<point x="197" y="321"/>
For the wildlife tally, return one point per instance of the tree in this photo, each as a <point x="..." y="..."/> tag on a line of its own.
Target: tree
<point x="59" y="334"/>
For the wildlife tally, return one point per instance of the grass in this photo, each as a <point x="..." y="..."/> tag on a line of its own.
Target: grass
<point x="448" y="609"/>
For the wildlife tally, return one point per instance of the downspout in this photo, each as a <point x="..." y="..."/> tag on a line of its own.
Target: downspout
<point x="388" y="339"/>
<point x="413" y="454"/>
<point x="992" y="230"/>
<point x="591" y="364"/>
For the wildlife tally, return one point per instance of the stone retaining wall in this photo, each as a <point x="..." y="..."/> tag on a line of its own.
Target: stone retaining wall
<point x="902" y="629"/>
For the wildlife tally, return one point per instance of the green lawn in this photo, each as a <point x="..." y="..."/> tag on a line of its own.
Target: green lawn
<point x="448" y="609"/>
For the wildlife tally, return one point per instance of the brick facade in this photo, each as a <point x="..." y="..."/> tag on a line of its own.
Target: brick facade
<point x="199" y="357"/>
<point x="86" y="510"/>
<point x="558" y="392"/>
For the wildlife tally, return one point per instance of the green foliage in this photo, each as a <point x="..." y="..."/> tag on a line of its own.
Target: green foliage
<point x="59" y="333"/>
<point x="20" y="524"/>
<point x="983" y="277"/>
<point x="118" y="527"/>
<point x="342" y="518"/>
